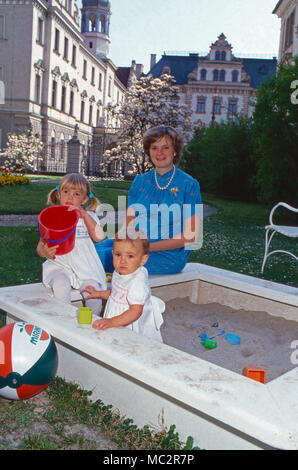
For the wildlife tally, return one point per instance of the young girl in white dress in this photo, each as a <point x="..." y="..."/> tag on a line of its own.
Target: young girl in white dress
<point x="82" y="266"/>
<point x="129" y="302"/>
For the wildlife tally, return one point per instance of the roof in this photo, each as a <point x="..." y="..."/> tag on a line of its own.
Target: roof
<point x="95" y="3"/>
<point x="181" y="66"/>
<point x="123" y="74"/>
<point x="259" y="70"/>
<point x="277" y="6"/>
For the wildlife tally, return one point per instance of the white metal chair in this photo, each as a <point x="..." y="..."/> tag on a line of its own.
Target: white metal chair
<point x="288" y="231"/>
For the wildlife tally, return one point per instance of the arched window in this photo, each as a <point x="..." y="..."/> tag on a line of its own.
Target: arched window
<point x="215" y="75"/>
<point x="62" y="147"/>
<point x="223" y="55"/>
<point x="222" y="75"/>
<point x="53" y="145"/>
<point x="103" y="24"/>
<point x="203" y="74"/>
<point x="92" y="23"/>
<point x="235" y="76"/>
<point x="217" y="55"/>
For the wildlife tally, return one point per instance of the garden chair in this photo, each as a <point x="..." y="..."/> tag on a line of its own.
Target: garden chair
<point x="271" y="229"/>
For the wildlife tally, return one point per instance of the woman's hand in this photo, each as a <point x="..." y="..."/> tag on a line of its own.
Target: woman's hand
<point x="45" y="251"/>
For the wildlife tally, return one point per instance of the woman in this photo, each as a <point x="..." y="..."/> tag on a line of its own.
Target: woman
<point x="165" y="203"/>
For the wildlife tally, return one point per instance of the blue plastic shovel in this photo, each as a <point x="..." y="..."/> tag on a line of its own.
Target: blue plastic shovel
<point x="203" y="336"/>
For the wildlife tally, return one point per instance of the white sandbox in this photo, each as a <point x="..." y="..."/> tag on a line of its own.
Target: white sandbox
<point x="160" y="385"/>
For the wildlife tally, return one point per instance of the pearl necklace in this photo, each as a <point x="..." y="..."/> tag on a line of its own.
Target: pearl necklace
<point x="169" y="182"/>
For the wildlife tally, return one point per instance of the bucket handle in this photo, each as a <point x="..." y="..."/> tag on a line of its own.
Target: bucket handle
<point x="56" y="241"/>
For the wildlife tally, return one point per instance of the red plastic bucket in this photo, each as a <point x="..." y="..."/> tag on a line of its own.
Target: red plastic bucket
<point x="57" y="226"/>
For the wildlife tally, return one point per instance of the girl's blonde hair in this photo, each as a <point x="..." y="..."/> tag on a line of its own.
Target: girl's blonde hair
<point x="74" y="180"/>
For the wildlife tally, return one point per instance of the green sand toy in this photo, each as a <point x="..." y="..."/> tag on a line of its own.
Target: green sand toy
<point x="85" y="315"/>
<point x="209" y="344"/>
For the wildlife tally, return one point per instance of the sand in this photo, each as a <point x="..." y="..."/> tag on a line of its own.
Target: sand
<point x="265" y="340"/>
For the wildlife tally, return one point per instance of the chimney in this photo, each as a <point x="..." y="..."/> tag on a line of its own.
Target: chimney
<point x="152" y="61"/>
<point x="140" y="69"/>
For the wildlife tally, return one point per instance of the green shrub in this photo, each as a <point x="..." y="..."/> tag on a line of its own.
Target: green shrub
<point x="220" y="158"/>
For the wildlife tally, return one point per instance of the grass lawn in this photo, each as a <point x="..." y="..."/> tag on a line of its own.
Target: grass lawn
<point x="233" y="237"/>
<point x="233" y="240"/>
<point x="32" y="198"/>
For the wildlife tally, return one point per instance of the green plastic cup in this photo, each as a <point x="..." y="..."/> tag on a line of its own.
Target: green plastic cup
<point x="85" y="316"/>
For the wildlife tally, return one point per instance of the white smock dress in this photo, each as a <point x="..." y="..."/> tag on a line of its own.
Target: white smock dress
<point x="134" y="289"/>
<point x="81" y="264"/>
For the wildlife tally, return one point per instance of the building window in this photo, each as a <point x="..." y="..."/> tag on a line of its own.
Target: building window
<point x="235" y="76"/>
<point x="82" y="110"/>
<point x="2" y="27"/>
<point x="65" y="55"/>
<point x="40" y="31"/>
<point x="71" y="102"/>
<point x="85" y="69"/>
<point x="92" y="76"/>
<point x="223" y="55"/>
<point x="217" y="106"/>
<point x="232" y="108"/>
<point x="290" y="30"/>
<point x="222" y="76"/>
<point x="63" y="98"/>
<point x="217" y="55"/>
<point x="54" y="94"/>
<point x="203" y="74"/>
<point x="100" y="81"/>
<point x="37" y="88"/>
<point x="110" y="87"/>
<point x="53" y="148"/>
<point x="62" y="148"/>
<point x="90" y="114"/>
<point x="215" y="75"/>
<point x="90" y="45"/>
<point x="201" y="105"/>
<point x="57" y="39"/>
<point x="74" y="56"/>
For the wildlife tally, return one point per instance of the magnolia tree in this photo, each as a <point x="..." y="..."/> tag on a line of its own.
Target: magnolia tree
<point x="21" y="151"/>
<point x="149" y="102"/>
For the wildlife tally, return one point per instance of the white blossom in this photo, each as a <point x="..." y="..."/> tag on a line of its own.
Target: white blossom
<point x="149" y="102"/>
<point x="21" y="151"/>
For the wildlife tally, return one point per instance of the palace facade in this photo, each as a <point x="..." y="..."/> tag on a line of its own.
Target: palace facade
<point x="57" y="74"/>
<point x="287" y="11"/>
<point x="217" y="85"/>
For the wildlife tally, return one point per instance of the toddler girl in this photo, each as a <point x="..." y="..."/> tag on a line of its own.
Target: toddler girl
<point x="80" y="267"/>
<point x="130" y="302"/>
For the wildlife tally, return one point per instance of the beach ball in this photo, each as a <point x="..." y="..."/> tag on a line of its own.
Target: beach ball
<point x="28" y="360"/>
